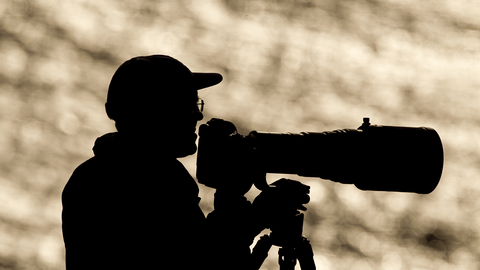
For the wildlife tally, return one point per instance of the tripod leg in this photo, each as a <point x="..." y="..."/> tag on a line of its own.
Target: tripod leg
<point x="260" y="252"/>
<point x="304" y="253"/>
<point x="286" y="258"/>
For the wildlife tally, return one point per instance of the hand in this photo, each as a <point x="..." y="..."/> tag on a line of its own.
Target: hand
<point x="283" y="198"/>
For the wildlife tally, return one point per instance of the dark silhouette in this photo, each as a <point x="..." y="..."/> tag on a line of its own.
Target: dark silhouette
<point x="372" y="157"/>
<point x="133" y="205"/>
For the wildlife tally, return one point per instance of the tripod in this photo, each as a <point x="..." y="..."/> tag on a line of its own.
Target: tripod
<point x="287" y="229"/>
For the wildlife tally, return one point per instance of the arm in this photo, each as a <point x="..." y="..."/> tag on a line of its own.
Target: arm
<point x="233" y="226"/>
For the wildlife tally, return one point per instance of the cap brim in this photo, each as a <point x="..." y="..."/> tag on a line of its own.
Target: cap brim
<point x="204" y="80"/>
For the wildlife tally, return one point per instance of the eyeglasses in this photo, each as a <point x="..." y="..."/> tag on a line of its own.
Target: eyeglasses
<point x="200" y="104"/>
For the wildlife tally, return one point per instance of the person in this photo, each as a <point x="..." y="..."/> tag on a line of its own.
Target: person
<point x="133" y="205"/>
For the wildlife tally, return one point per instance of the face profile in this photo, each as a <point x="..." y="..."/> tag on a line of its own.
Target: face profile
<point x="156" y="97"/>
<point x="179" y="128"/>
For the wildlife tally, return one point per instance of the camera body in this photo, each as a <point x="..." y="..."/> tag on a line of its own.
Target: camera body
<point x="372" y="157"/>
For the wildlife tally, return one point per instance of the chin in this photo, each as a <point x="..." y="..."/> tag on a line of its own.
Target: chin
<point x="185" y="151"/>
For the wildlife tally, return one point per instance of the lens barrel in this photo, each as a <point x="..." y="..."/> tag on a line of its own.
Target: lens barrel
<point x="383" y="158"/>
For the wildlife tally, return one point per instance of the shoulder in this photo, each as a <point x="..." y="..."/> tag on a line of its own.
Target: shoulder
<point x="83" y="176"/>
<point x="87" y="169"/>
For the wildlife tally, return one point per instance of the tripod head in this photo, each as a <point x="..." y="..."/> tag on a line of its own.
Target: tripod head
<point x="281" y="203"/>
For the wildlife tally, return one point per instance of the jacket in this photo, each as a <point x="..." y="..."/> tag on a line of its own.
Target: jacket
<point x="131" y="208"/>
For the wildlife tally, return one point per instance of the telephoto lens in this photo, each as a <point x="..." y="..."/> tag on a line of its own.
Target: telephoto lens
<point x="372" y="157"/>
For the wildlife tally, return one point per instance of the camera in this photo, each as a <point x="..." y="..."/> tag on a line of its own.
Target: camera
<point x="372" y="157"/>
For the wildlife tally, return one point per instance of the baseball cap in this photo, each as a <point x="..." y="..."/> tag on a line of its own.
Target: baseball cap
<point x="147" y="77"/>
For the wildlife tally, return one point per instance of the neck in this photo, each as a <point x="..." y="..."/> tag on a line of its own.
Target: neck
<point x="147" y="144"/>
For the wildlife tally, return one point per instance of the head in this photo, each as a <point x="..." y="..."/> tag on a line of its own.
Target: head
<point x="155" y="98"/>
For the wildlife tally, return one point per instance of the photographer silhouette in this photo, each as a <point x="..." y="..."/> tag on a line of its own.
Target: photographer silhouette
<point x="133" y="205"/>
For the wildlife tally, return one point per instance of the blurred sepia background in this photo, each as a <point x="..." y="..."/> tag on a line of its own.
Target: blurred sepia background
<point x="289" y="66"/>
